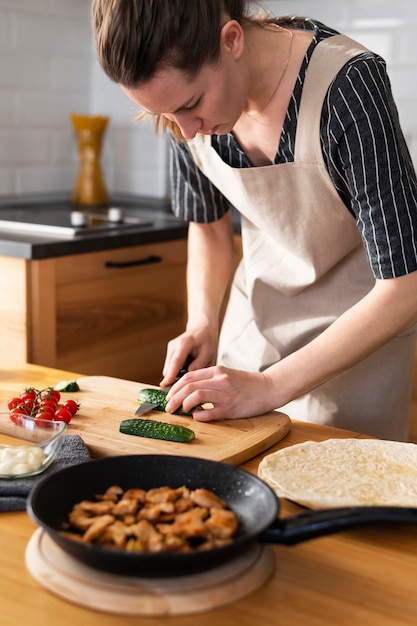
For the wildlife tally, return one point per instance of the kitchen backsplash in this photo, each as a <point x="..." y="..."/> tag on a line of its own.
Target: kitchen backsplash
<point x="48" y="70"/>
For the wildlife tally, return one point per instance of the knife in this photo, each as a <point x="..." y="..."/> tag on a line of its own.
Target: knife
<point x="145" y="407"/>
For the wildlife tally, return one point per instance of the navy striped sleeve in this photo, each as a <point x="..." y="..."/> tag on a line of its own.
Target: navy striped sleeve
<point x="370" y="165"/>
<point x="194" y="197"/>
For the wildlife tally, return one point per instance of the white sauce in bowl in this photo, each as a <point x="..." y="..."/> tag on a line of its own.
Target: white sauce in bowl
<point x="15" y="460"/>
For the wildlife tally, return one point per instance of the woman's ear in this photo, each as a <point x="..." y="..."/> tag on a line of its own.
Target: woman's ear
<point x="232" y="38"/>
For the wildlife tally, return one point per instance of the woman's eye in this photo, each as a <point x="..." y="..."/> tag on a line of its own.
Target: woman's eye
<point x="193" y="106"/>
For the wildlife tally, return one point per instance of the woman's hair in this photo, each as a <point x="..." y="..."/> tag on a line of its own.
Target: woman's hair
<point x="136" y="38"/>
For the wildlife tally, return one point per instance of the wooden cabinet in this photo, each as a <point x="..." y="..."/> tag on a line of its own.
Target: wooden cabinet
<point x="14" y="309"/>
<point x="109" y="312"/>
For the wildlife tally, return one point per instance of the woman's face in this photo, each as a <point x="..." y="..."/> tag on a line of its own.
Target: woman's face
<point x="210" y="103"/>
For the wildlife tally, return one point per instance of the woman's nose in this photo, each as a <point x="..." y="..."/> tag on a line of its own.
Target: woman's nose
<point x="189" y="125"/>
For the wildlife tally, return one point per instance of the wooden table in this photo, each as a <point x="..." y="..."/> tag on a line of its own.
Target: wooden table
<point x="364" y="577"/>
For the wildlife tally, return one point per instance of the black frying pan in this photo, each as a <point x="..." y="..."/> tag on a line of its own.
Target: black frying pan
<point x="255" y="504"/>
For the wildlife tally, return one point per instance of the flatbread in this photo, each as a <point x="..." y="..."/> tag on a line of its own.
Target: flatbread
<point x="344" y="472"/>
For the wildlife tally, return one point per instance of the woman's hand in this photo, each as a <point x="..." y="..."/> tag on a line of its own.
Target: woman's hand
<point x="230" y="394"/>
<point x="207" y="284"/>
<point x="200" y="345"/>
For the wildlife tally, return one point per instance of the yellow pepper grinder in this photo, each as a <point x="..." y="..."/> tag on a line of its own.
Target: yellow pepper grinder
<point x="90" y="188"/>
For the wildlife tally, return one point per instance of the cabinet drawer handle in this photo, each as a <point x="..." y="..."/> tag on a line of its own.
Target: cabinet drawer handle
<point x="146" y="261"/>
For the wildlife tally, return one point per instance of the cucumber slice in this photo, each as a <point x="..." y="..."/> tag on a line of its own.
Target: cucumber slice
<point x="156" y="430"/>
<point x="67" y="385"/>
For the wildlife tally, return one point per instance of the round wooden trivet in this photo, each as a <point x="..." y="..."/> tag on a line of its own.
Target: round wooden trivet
<point x="71" y="580"/>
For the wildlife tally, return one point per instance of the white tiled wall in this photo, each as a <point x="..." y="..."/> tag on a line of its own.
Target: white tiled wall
<point x="48" y="70"/>
<point x="44" y="46"/>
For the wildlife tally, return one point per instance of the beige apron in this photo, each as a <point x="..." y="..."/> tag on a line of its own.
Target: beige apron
<point x="303" y="265"/>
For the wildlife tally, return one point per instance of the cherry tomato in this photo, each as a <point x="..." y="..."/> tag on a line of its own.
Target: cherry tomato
<point x="44" y="415"/>
<point x="42" y="408"/>
<point x="51" y="404"/>
<point x="21" y="409"/>
<point x="16" y="417"/>
<point x="45" y="394"/>
<point x="28" y="394"/>
<point x="41" y="419"/>
<point x="55" y="394"/>
<point x="29" y="403"/>
<point x="13" y="403"/>
<point x="72" y="406"/>
<point x="63" y="415"/>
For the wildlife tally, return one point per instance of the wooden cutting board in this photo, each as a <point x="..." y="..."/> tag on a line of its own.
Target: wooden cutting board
<point x="71" y="580"/>
<point x="106" y="401"/>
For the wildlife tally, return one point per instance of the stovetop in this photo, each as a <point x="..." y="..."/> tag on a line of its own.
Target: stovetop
<point x="64" y="220"/>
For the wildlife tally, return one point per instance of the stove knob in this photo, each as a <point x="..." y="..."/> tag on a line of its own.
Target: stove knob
<point x="115" y="214"/>
<point x="78" y="218"/>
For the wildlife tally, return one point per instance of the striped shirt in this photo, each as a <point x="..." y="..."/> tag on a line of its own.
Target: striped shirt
<point x="363" y="148"/>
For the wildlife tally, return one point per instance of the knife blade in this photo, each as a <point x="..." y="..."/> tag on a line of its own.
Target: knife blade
<point x="146" y="407"/>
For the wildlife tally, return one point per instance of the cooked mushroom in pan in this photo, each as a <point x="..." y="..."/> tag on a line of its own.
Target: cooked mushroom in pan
<point x="158" y="520"/>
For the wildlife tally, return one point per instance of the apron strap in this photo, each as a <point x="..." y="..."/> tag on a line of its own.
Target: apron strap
<point x="328" y="58"/>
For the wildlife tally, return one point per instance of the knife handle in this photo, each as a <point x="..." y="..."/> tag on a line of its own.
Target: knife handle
<point x="184" y="368"/>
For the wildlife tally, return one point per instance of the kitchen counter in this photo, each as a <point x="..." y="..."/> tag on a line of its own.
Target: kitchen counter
<point x="161" y="225"/>
<point x="356" y="577"/>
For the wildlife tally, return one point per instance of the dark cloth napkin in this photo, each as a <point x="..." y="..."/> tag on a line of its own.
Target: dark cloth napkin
<point x="14" y="493"/>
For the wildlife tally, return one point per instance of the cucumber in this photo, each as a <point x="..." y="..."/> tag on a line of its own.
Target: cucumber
<point x="156" y="430"/>
<point x="158" y="397"/>
<point x="67" y="385"/>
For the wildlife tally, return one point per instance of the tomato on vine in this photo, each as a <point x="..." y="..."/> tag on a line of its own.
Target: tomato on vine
<point x="16" y="417"/>
<point x="63" y="415"/>
<point x="55" y="395"/>
<point x="13" y="403"/>
<point x="28" y="395"/>
<point x="49" y="410"/>
<point x="49" y="404"/>
<point x="41" y="405"/>
<point x="44" y="415"/>
<point x="28" y="404"/>
<point x="21" y="410"/>
<point x="72" y="406"/>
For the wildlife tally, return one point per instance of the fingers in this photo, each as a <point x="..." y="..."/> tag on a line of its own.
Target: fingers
<point x="197" y="388"/>
<point x="209" y="414"/>
<point x="195" y="352"/>
<point x="187" y="391"/>
<point x="178" y="355"/>
<point x="230" y="394"/>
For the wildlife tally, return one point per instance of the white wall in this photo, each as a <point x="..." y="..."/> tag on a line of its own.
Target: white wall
<point x="48" y="70"/>
<point x="44" y="46"/>
<point x="135" y="160"/>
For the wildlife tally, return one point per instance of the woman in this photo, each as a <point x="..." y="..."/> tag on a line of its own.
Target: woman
<point x="294" y="125"/>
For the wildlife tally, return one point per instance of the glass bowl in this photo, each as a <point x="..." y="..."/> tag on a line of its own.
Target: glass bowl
<point x="28" y="445"/>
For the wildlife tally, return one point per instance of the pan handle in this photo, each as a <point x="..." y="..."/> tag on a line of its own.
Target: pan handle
<point x="312" y="524"/>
